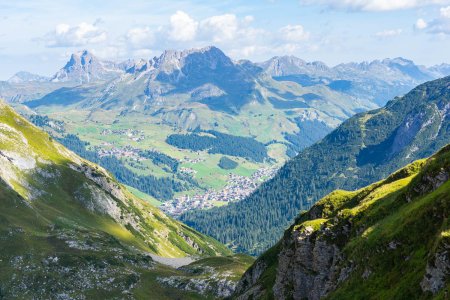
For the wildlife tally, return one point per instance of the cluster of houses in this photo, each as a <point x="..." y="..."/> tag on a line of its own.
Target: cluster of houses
<point x="237" y="188"/>
<point x="132" y="134"/>
<point x="124" y="152"/>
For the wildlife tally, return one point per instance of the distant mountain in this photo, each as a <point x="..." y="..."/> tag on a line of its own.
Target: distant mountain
<point x="84" y="67"/>
<point x="22" y="77"/>
<point x="291" y="65"/>
<point x="438" y="70"/>
<point x="67" y="227"/>
<point x="363" y="149"/>
<point x="378" y="81"/>
<point x="388" y="240"/>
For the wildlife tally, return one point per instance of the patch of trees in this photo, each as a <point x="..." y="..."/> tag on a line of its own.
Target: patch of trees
<point x="227" y="163"/>
<point x="45" y="121"/>
<point x="160" y="159"/>
<point x="220" y="143"/>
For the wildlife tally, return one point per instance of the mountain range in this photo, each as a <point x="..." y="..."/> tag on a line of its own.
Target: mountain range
<point x="179" y="84"/>
<point x="186" y="69"/>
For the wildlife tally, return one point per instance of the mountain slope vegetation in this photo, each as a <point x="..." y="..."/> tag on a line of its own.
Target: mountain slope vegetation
<point x="364" y="149"/>
<point x="69" y="229"/>
<point x="388" y="240"/>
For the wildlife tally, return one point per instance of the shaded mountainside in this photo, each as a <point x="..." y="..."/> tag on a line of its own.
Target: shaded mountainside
<point x="69" y="229"/>
<point x="389" y="240"/>
<point x="365" y="148"/>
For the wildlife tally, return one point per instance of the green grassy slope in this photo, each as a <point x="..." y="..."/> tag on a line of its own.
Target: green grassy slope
<point x="389" y="240"/>
<point x="67" y="227"/>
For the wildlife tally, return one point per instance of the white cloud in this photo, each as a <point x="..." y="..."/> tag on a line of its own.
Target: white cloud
<point x="421" y="24"/>
<point x="110" y="52"/>
<point x="375" y="5"/>
<point x="182" y="27"/>
<point x="220" y="28"/>
<point x="445" y="12"/>
<point x="388" y="33"/>
<point x="439" y="25"/>
<point x="83" y="34"/>
<point x="294" y="33"/>
<point x="235" y="35"/>
<point x="140" y="37"/>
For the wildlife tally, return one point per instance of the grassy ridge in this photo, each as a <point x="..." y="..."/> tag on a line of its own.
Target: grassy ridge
<point x="388" y="233"/>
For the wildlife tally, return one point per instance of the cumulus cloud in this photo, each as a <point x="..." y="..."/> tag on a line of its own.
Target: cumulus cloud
<point x="83" y="34"/>
<point x="375" y="5"/>
<point x="420" y="24"/>
<point x="294" y="33"/>
<point x="220" y="28"/>
<point x="182" y="27"/>
<point x="440" y="25"/>
<point x="445" y="12"/>
<point x="235" y="35"/>
<point x="388" y="33"/>
<point x="140" y="37"/>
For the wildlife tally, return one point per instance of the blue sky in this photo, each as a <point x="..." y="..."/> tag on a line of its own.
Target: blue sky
<point x="40" y="35"/>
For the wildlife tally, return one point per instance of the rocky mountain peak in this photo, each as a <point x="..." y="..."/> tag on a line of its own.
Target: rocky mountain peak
<point x="171" y="60"/>
<point x="292" y="65"/>
<point x="85" y="67"/>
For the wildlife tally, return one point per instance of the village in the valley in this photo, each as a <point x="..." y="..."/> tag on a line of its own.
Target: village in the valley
<point x="237" y="188"/>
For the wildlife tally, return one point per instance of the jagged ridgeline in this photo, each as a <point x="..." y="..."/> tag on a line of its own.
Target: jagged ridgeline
<point x="364" y="149"/>
<point x="67" y="227"/>
<point x="389" y="240"/>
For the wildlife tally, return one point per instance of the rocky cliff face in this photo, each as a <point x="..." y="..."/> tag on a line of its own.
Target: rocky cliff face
<point x="84" y="67"/>
<point x="384" y="241"/>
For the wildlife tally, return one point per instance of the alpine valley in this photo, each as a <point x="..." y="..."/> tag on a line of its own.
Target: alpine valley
<point x="165" y="127"/>
<point x="334" y="179"/>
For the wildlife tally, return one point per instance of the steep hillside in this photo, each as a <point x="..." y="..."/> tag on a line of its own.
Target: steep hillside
<point x="365" y="148"/>
<point x="389" y="240"/>
<point x="68" y="228"/>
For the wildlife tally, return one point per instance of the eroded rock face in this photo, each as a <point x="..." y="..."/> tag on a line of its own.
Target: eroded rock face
<point x="251" y="277"/>
<point x="308" y="267"/>
<point x="437" y="271"/>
